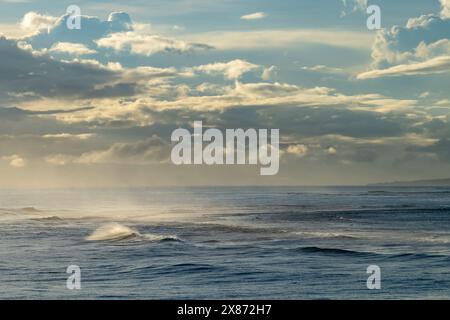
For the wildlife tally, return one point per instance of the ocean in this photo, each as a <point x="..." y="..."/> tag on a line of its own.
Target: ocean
<point x="225" y="243"/>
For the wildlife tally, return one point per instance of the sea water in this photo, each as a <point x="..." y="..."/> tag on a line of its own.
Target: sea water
<point x="225" y="243"/>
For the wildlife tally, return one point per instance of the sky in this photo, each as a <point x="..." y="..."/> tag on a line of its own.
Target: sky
<point x="96" y="107"/>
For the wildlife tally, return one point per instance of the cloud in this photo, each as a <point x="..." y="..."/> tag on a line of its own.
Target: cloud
<point x="15" y="161"/>
<point x="147" y="45"/>
<point x="152" y="150"/>
<point x="421" y="47"/>
<point x="424" y="95"/>
<point x="351" y="6"/>
<point x="46" y="76"/>
<point x="207" y="88"/>
<point x="119" y="99"/>
<point x="14" y="31"/>
<point x="441" y="148"/>
<point x="118" y="33"/>
<point x="231" y="70"/>
<point x="445" y="13"/>
<point x="149" y="151"/>
<point x="77" y="49"/>
<point x="69" y="136"/>
<point x="274" y="98"/>
<point x="331" y="151"/>
<point x="438" y="48"/>
<point x="304" y="111"/>
<point x="443" y="102"/>
<point x="60" y="159"/>
<point x="36" y="21"/>
<point x="299" y="150"/>
<point x="269" y="73"/>
<point x="434" y="66"/>
<point x="254" y="16"/>
<point x="75" y="79"/>
<point x="422" y="38"/>
<point x="92" y="28"/>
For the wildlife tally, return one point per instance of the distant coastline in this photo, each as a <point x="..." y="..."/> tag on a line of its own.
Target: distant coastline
<point x="416" y="183"/>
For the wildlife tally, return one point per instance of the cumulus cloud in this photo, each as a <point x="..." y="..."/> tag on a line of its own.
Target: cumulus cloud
<point x="92" y="28"/>
<point x="36" y="21"/>
<point x="48" y="77"/>
<point x="421" y="47"/>
<point x="118" y="33"/>
<point x="128" y="102"/>
<point x="438" y="48"/>
<point x="423" y="38"/>
<point x="254" y="16"/>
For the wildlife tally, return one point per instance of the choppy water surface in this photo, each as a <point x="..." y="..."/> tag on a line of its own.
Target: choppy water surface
<point x="195" y="243"/>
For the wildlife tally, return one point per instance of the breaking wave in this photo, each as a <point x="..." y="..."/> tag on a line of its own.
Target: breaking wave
<point x="118" y="232"/>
